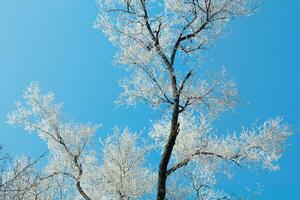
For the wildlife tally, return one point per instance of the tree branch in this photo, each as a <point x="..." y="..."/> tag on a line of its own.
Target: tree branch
<point x="186" y="161"/>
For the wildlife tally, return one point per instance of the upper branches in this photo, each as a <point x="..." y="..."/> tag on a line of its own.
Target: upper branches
<point x="152" y="36"/>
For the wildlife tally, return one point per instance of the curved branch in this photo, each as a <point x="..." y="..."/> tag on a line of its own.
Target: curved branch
<point x="186" y="161"/>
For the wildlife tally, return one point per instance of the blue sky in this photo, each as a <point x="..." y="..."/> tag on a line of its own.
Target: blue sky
<point x="53" y="42"/>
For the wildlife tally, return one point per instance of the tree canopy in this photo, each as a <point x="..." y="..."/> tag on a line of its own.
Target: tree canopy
<point x="160" y="46"/>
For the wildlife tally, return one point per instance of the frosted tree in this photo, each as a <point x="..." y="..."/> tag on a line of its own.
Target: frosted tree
<point x="66" y="141"/>
<point x="160" y="45"/>
<point x="72" y="162"/>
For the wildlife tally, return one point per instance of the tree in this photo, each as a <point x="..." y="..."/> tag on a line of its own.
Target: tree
<point x="21" y="179"/>
<point x="160" y="46"/>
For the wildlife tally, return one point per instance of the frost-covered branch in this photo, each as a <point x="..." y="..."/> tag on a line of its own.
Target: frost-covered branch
<point x="124" y="172"/>
<point x="262" y="145"/>
<point x="66" y="141"/>
<point x="21" y="179"/>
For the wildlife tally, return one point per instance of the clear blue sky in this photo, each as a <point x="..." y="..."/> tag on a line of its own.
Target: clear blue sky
<point x="54" y="43"/>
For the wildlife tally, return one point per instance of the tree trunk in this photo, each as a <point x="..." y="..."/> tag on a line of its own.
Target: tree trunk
<point x="163" y="166"/>
<point x="80" y="190"/>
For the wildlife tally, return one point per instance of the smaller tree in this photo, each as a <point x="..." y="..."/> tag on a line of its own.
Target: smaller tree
<point x="67" y="142"/>
<point x="71" y="162"/>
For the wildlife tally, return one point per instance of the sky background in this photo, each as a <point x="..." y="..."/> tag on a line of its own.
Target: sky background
<point x="53" y="42"/>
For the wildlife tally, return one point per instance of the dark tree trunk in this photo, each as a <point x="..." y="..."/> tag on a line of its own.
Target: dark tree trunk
<point x="163" y="166"/>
